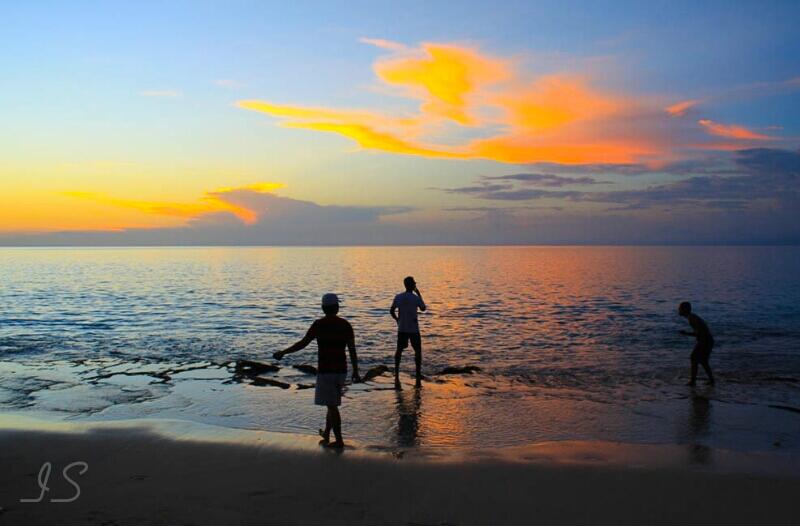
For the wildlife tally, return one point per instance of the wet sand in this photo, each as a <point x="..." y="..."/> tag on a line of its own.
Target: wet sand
<point x="140" y="473"/>
<point x="478" y="411"/>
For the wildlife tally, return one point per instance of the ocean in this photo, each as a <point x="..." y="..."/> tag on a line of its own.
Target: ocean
<point x="572" y="343"/>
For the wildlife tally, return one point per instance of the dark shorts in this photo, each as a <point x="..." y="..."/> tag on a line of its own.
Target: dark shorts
<point x="404" y="337"/>
<point x="329" y="387"/>
<point x="702" y="351"/>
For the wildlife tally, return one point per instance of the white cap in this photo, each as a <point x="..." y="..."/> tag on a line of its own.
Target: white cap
<point x="330" y="299"/>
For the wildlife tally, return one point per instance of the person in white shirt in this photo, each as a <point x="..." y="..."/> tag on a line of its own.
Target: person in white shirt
<point x="404" y="311"/>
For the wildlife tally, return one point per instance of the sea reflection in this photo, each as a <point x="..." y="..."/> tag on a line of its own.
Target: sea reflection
<point x="408" y="415"/>
<point x="583" y="338"/>
<point x="699" y="429"/>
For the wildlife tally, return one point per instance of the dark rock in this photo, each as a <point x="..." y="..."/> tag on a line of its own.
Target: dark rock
<point x="305" y="386"/>
<point x="467" y="369"/>
<point x="305" y="368"/>
<point x="164" y="377"/>
<point x="250" y="368"/>
<point x="266" y="381"/>
<point x="196" y="367"/>
<point x="374" y="372"/>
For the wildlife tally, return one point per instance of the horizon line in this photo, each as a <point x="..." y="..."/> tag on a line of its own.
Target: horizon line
<point x="390" y="245"/>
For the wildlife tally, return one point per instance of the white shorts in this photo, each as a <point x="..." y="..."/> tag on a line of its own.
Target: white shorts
<point x="329" y="388"/>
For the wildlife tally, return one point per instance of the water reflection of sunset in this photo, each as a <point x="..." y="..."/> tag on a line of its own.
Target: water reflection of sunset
<point x="572" y="342"/>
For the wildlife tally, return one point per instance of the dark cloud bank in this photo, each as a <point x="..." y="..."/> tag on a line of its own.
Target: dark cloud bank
<point x="753" y="199"/>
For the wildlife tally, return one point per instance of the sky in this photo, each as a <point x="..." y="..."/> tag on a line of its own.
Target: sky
<point x="152" y="123"/>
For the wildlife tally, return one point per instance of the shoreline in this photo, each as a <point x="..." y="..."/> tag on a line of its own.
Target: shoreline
<point x="164" y="472"/>
<point x="471" y="413"/>
<point x="597" y="453"/>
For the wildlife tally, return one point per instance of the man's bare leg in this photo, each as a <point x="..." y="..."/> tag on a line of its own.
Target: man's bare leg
<point x="336" y="424"/>
<point x="397" y="357"/>
<point x="418" y="365"/>
<point x="326" y="435"/>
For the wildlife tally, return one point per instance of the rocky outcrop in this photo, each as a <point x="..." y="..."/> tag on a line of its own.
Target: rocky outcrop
<point x="269" y="382"/>
<point x="374" y="372"/>
<point x="251" y="368"/>
<point x="466" y="369"/>
<point x="306" y="368"/>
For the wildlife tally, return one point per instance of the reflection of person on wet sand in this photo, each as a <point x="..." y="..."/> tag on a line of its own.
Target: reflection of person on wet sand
<point x="404" y="311"/>
<point x="333" y="334"/>
<point x="705" y="342"/>
<point x="699" y="419"/>
<point x="408" y="406"/>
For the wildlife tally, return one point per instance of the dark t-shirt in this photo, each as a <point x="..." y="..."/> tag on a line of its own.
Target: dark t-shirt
<point x="332" y="334"/>
<point x="701" y="330"/>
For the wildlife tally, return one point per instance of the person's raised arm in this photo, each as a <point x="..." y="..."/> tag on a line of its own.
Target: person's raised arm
<point x="299" y="346"/>
<point x="693" y="332"/>
<point x="422" y="306"/>
<point x="351" y="347"/>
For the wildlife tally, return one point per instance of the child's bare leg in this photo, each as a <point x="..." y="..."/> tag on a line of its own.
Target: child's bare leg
<point x="694" y="372"/>
<point x="707" y="368"/>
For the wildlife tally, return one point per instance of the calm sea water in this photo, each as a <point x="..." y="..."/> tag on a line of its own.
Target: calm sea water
<point x="571" y="342"/>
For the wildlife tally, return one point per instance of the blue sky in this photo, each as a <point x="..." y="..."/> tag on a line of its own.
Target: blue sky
<point x="134" y="107"/>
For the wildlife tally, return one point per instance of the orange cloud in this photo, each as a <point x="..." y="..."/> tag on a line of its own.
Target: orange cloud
<point x="444" y="76"/>
<point x="680" y="108"/>
<point x="208" y="203"/>
<point x="372" y="139"/>
<point x="255" y="187"/>
<point x="732" y="131"/>
<point x="559" y="118"/>
<point x="295" y="114"/>
<point x="371" y="131"/>
<point x="300" y="112"/>
<point x="523" y="149"/>
<point x="554" y="101"/>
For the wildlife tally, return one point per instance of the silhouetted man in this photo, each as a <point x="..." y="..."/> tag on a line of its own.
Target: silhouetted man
<point x="705" y="342"/>
<point x="404" y="311"/>
<point x="333" y="334"/>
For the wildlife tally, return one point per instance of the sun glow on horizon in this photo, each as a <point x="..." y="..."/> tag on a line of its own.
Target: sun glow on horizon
<point x="211" y="202"/>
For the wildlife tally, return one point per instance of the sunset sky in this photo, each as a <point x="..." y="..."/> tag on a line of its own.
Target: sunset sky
<point x="399" y="122"/>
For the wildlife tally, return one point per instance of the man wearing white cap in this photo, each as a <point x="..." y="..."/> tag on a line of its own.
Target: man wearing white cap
<point x="333" y="334"/>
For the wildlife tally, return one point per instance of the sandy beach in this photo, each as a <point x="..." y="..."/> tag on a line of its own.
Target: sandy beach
<point x="140" y="473"/>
